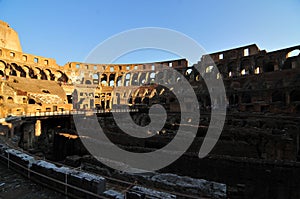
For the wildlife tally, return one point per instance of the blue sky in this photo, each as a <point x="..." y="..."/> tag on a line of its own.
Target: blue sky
<point x="69" y="30"/>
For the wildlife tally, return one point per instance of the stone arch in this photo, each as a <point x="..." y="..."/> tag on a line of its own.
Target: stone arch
<point x="95" y="78"/>
<point x="112" y="79"/>
<point x="2" y="68"/>
<point x="63" y="77"/>
<point x="127" y="79"/>
<point x="12" y="70"/>
<point x="209" y="69"/>
<point x="259" y="63"/>
<point x="49" y="74"/>
<point x="293" y="53"/>
<point x="142" y="79"/>
<point x="29" y="71"/>
<point x="222" y="69"/>
<point x="40" y="73"/>
<point x="245" y="67"/>
<point x="103" y="79"/>
<point x="292" y="59"/>
<point x="195" y="74"/>
<point x="10" y="99"/>
<point x="31" y="101"/>
<point x="231" y="69"/>
<point x="134" y="79"/>
<point x="188" y="71"/>
<point x="152" y="76"/>
<point x="119" y="81"/>
<point x="21" y="72"/>
<point x="88" y="81"/>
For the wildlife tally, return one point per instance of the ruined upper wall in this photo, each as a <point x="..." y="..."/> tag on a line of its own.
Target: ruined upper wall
<point x="9" y="37"/>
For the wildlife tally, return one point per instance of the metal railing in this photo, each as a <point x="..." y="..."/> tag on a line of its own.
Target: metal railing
<point x="65" y="183"/>
<point x="59" y="113"/>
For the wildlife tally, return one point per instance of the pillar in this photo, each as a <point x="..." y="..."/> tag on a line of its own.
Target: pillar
<point x="38" y="128"/>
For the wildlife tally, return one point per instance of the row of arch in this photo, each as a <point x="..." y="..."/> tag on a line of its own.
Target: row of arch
<point x="133" y="78"/>
<point x="13" y="69"/>
<point x="261" y="64"/>
<point x="276" y="97"/>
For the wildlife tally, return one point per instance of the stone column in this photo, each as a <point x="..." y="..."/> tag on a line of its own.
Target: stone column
<point x="147" y="77"/>
<point x="38" y="128"/>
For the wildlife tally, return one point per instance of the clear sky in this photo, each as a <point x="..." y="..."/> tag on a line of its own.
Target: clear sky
<point x="69" y="30"/>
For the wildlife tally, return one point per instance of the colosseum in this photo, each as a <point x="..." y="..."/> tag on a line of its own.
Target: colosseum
<point x="261" y="133"/>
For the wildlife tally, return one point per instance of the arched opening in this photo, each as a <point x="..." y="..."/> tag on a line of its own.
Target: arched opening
<point x="134" y="80"/>
<point x="95" y="78"/>
<point x="10" y="100"/>
<point x="259" y="62"/>
<point x="127" y="79"/>
<point x="188" y="71"/>
<point x="209" y="69"/>
<point x="119" y="81"/>
<point x="152" y="76"/>
<point x="142" y="79"/>
<point x="63" y="77"/>
<point x="231" y="68"/>
<point x="30" y="72"/>
<point x="12" y="71"/>
<point x="1" y="99"/>
<point x="245" y="67"/>
<point x="103" y="79"/>
<point x="257" y="70"/>
<point x="88" y="82"/>
<point x="2" y="68"/>
<point x="112" y="80"/>
<point x="43" y="75"/>
<point x="221" y="69"/>
<point x="293" y="53"/>
<point x="19" y="68"/>
<point x="295" y="96"/>
<point x="111" y="83"/>
<point x="111" y="69"/>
